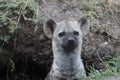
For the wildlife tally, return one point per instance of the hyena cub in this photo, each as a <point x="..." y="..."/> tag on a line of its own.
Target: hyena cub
<point x="66" y="42"/>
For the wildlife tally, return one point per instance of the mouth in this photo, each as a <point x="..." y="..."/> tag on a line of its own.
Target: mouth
<point x="69" y="47"/>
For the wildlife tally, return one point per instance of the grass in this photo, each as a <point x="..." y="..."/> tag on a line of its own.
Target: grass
<point x="13" y="13"/>
<point x="100" y="10"/>
<point x="96" y="12"/>
<point x="5" y="38"/>
<point x="112" y="69"/>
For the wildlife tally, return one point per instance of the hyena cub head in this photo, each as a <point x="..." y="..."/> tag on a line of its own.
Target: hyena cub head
<point x="67" y="34"/>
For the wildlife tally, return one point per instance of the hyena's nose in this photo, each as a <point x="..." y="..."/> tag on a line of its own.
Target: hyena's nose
<point x="71" y="40"/>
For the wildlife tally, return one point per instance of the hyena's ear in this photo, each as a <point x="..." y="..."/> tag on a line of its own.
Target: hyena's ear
<point x="84" y="25"/>
<point x="49" y="28"/>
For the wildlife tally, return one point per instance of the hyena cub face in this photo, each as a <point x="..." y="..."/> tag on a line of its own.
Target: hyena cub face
<point x="67" y="35"/>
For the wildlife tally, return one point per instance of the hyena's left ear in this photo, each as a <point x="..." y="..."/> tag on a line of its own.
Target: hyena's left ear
<point x="84" y="25"/>
<point x="49" y="28"/>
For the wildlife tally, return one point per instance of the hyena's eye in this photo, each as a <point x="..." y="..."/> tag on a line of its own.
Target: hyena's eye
<point x="61" y="34"/>
<point x="76" y="33"/>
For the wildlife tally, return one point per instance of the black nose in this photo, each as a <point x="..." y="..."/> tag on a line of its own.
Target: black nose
<point x="71" y="40"/>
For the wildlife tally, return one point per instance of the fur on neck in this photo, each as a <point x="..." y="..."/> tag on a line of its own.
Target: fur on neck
<point x="67" y="64"/>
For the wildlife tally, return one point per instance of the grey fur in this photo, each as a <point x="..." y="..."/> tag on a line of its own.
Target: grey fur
<point x="66" y="65"/>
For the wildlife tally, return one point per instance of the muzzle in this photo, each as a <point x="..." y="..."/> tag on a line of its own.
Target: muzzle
<point x="70" y="42"/>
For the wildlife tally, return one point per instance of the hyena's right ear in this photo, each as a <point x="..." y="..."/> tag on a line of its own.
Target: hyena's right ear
<point x="49" y="28"/>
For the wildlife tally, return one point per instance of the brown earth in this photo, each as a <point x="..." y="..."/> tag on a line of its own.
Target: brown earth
<point x="29" y="53"/>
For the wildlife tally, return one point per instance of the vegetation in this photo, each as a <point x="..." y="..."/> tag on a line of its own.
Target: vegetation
<point x="99" y="10"/>
<point x="12" y="14"/>
<point x="112" y="68"/>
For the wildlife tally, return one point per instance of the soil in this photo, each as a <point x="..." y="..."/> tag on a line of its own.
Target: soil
<point x="28" y="56"/>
